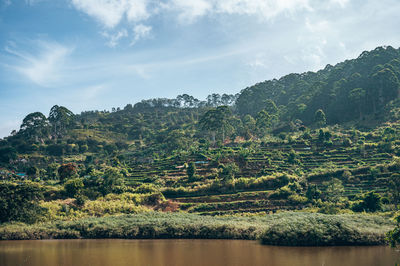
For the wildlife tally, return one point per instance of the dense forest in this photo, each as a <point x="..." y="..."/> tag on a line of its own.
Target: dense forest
<point x="325" y="141"/>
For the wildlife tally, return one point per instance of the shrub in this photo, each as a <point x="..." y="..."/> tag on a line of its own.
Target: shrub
<point x="320" y="230"/>
<point x="281" y="193"/>
<point x="66" y="171"/>
<point x="297" y="199"/>
<point x="370" y="202"/>
<point x="73" y="187"/>
<point x="146" y="188"/>
<point x="19" y="202"/>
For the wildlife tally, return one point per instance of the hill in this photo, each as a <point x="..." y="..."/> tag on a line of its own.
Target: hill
<point x="325" y="141"/>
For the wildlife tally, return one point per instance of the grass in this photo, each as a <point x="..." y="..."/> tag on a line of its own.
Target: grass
<point x="288" y="228"/>
<point x="326" y="230"/>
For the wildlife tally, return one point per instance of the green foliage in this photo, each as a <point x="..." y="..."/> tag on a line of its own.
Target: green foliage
<point x="67" y="171"/>
<point x="394" y="188"/>
<point x="112" y="181"/>
<point x="191" y="170"/>
<point x="313" y="193"/>
<point x="215" y="119"/>
<point x="334" y="190"/>
<point x="73" y="187"/>
<point x="56" y="149"/>
<point x="323" y="230"/>
<point x="370" y="202"/>
<point x="393" y="236"/>
<point x="7" y="153"/>
<point x="32" y="171"/>
<point x="345" y="92"/>
<point x="60" y="118"/>
<point x="320" y="118"/>
<point x="19" y="202"/>
<point x="228" y="171"/>
<point x="293" y="157"/>
<point x="34" y="125"/>
<point x="274" y="145"/>
<point x="277" y="229"/>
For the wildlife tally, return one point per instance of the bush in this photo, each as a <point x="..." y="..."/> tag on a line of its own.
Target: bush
<point x="66" y="171"/>
<point x="279" y="229"/>
<point x="321" y="230"/>
<point x="146" y="188"/>
<point x="73" y="187"/>
<point x="18" y="202"/>
<point x="370" y="202"/>
<point x="56" y="149"/>
<point x="281" y="193"/>
<point x="297" y="199"/>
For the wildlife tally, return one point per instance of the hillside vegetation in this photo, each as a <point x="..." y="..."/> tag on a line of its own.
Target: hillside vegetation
<point x="326" y="142"/>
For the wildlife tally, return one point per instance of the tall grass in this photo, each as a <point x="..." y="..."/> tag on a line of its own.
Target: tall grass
<point x="290" y="228"/>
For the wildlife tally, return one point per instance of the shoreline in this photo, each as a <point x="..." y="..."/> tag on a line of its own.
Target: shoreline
<point x="283" y="229"/>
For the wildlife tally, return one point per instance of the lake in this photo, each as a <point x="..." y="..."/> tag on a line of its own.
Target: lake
<point x="186" y="253"/>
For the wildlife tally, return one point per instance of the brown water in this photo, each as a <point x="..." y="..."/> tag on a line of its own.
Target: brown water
<point x="186" y="253"/>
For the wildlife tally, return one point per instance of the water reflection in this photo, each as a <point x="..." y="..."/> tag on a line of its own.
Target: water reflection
<point x="185" y="253"/>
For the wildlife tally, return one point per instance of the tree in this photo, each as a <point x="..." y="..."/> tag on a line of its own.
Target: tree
<point x="249" y="124"/>
<point x="270" y="107"/>
<point x="32" y="171"/>
<point x="73" y="186"/>
<point x="334" y="190"/>
<point x="66" y="171"/>
<point x="228" y="171"/>
<point x="313" y="193"/>
<point x="34" y="125"/>
<point x="357" y="97"/>
<point x="370" y="202"/>
<point x="263" y="121"/>
<point x="55" y="149"/>
<point x="191" y="170"/>
<point x="215" y="119"/>
<point x="320" y="118"/>
<point x="7" y="153"/>
<point x="385" y="87"/>
<point x="394" y="235"/>
<point x="112" y="179"/>
<point x="394" y="189"/>
<point x="214" y="100"/>
<point x="60" y="118"/>
<point x="19" y="202"/>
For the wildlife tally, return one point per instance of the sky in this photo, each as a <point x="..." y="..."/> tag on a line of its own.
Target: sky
<point x="99" y="54"/>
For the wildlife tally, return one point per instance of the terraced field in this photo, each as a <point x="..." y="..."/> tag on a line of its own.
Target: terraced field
<point x="314" y="163"/>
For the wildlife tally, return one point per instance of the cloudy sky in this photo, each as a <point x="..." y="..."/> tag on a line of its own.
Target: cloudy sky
<point x="98" y="54"/>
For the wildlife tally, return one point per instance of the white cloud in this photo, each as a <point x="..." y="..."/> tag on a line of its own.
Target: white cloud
<point x="190" y="10"/>
<point x="140" y="32"/>
<point x="113" y="39"/>
<point x="259" y="61"/>
<point x="43" y="66"/>
<point x="137" y="10"/>
<point x="318" y="26"/>
<point x="111" y="12"/>
<point x="342" y="3"/>
<point x="263" y="8"/>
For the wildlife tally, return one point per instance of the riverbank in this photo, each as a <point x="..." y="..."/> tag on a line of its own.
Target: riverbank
<point x="289" y="228"/>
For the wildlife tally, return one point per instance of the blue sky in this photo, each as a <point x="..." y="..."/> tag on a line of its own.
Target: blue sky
<point x="99" y="54"/>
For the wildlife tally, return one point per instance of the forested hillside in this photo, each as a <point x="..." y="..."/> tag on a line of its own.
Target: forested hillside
<point x="325" y="141"/>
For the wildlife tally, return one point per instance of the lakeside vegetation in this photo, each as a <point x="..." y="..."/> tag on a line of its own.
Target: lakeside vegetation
<point x="289" y="228"/>
<point x="161" y="167"/>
